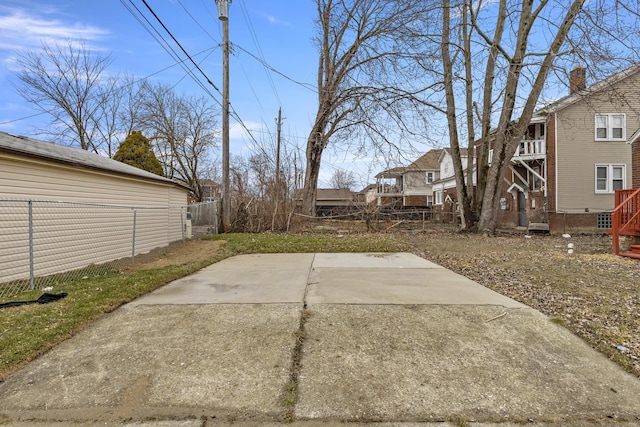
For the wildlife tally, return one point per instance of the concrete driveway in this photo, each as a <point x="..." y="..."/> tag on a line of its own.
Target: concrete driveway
<point x="390" y="339"/>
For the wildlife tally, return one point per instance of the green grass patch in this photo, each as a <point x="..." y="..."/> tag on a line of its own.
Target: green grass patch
<point x="29" y="330"/>
<point x="288" y="243"/>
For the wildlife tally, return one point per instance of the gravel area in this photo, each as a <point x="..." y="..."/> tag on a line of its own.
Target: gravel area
<point x="592" y="292"/>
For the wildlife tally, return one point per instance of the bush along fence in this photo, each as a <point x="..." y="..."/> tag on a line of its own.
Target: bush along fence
<point x="46" y="243"/>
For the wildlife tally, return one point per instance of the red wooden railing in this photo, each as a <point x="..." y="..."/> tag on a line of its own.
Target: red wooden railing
<point x="625" y="218"/>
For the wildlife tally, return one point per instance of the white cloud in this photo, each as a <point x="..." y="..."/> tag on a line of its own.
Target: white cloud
<point x="275" y="21"/>
<point x="26" y="29"/>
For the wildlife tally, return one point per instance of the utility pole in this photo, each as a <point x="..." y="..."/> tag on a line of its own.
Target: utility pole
<point x="279" y="128"/>
<point x="223" y="15"/>
<point x="277" y="187"/>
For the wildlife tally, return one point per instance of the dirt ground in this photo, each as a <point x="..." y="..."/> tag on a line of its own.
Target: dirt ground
<point x="176" y="254"/>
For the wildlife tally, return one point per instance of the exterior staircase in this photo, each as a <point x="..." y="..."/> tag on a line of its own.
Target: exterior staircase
<point x="625" y="221"/>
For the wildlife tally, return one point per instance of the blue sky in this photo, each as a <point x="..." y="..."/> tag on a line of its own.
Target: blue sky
<point x="280" y="31"/>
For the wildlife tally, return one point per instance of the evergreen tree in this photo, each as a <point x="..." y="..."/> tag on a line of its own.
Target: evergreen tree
<point x="136" y="151"/>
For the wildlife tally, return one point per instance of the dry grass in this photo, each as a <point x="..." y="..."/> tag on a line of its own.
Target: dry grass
<point x="591" y="292"/>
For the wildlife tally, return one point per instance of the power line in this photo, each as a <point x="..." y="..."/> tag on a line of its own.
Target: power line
<point x="307" y="86"/>
<point x="195" y="20"/>
<point x="179" y="62"/>
<point x="180" y="46"/>
<point x="233" y="113"/>
<point x="164" y="44"/>
<point x="256" y="42"/>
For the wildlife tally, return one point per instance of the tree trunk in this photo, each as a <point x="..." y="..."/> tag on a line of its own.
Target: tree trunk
<point x="461" y="188"/>
<point x="315" y="147"/>
<point x="509" y="134"/>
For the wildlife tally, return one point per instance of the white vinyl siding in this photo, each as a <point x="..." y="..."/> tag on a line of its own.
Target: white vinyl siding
<point x="577" y="151"/>
<point x="89" y="222"/>
<point x="610" y="178"/>
<point x="610" y="127"/>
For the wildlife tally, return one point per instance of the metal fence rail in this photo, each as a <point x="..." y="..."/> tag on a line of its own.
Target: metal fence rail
<point x="46" y="243"/>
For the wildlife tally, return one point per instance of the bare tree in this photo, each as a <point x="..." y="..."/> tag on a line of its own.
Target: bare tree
<point x="65" y="82"/>
<point x="496" y="60"/>
<point x="183" y="130"/>
<point x="117" y="112"/>
<point x="342" y="178"/>
<point x="362" y="82"/>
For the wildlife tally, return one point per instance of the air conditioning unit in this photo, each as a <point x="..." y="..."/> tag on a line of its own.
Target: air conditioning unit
<point x="538" y="228"/>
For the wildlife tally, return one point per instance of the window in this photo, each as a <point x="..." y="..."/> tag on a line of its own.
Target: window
<point x="438" y="197"/>
<point x="429" y="177"/>
<point x="610" y="178"/>
<point x="610" y="127"/>
<point x="429" y="200"/>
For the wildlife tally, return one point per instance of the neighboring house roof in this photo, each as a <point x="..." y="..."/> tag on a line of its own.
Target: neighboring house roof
<point x="428" y="161"/>
<point x="369" y="187"/>
<point x="76" y="157"/>
<point x="334" y="194"/>
<point x="393" y="172"/>
<point x="596" y="87"/>
<point x="464" y="152"/>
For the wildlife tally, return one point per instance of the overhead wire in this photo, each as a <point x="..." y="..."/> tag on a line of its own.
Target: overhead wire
<point x="195" y="20"/>
<point x="232" y="110"/>
<point x="159" y="38"/>
<point x="307" y="86"/>
<point x="211" y="49"/>
<point x="256" y="42"/>
<point x="180" y="46"/>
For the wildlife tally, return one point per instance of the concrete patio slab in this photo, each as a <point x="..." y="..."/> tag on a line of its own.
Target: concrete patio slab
<point x="371" y="260"/>
<point x="163" y="361"/>
<point x="399" y="286"/>
<point x="388" y="339"/>
<point x="437" y="363"/>
<point x="245" y="279"/>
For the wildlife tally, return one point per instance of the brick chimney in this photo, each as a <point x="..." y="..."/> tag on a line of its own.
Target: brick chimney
<point x="577" y="79"/>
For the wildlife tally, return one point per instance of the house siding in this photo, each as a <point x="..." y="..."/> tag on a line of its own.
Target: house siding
<point x="70" y="234"/>
<point x="578" y="152"/>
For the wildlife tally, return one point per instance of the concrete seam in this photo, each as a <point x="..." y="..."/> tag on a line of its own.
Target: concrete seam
<point x="306" y="286"/>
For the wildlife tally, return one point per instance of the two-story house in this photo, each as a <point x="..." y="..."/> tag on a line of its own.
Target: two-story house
<point x="410" y="186"/>
<point x="576" y="153"/>
<point x="444" y="189"/>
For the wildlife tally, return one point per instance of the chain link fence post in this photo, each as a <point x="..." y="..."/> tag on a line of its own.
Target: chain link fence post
<point x="32" y="283"/>
<point x="133" y="240"/>
<point x="182" y="224"/>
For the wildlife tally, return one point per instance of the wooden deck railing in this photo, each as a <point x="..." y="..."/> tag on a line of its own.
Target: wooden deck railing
<point x="625" y="218"/>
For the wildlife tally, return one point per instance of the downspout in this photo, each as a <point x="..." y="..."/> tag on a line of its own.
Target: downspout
<point x="555" y="134"/>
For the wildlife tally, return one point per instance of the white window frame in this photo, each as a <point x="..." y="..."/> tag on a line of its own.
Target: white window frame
<point x="430" y="177"/>
<point x="429" y="200"/>
<point x="609" y="118"/>
<point x="609" y="178"/>
<point x="439" y="197"/>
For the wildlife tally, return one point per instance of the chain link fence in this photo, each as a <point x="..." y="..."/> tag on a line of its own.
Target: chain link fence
<point x="47" y="243"/>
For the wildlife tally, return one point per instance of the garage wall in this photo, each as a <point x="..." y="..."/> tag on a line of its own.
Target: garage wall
<point x="80" y="216"/>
